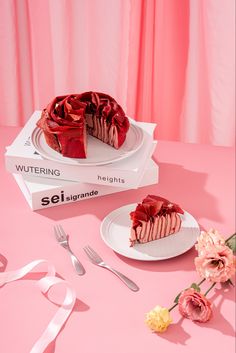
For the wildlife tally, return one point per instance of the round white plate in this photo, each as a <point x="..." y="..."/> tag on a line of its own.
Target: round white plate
<point x="98" y="153"/>
<point x="115" y="231"/>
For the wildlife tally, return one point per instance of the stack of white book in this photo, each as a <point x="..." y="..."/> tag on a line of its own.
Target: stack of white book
<point x="47" y="179"/>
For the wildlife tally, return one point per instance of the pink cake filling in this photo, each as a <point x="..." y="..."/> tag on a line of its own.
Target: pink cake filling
<point x="153" y="219"/>
<point x="100" y="129"/>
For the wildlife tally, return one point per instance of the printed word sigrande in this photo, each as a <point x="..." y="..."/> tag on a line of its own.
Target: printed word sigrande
<point x="63" y="198"/>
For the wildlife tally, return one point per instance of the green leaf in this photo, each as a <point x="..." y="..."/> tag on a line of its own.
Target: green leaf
<point x="196" y="287"/>
<point x="231" y="243"/>
<point x="177" y="298"/>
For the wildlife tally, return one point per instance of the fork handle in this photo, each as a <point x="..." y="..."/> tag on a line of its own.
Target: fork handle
<point x="76" y="263"/>
<point x="123" y="278"/>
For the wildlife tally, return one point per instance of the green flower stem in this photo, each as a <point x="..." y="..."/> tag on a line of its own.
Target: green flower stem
<point x="203" y="280"/>
<point x="230" y="237"/>
<point x="213" y="284"/>
<point x="173" y="306"/>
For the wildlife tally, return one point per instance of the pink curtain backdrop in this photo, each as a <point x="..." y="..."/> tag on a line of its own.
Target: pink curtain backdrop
<point x="165" y="61"/>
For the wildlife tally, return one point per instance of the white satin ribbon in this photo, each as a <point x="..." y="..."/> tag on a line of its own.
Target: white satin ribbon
<point x="45" y="284"/>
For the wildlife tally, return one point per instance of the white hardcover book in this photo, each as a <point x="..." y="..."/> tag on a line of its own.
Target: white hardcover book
<point x="44" y="192"/>
<point x="23" y="158"/>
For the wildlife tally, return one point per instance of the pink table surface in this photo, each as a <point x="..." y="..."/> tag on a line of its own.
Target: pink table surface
<point x="108" y="317"/>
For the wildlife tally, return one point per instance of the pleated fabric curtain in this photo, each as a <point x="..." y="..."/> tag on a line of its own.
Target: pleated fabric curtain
<point x="165" y="61"/>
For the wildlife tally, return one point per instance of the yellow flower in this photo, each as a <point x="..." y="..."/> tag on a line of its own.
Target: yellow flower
<point x="158" y="319"/>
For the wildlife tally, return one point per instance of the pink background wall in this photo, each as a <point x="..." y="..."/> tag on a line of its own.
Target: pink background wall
<point x="172" y="62"/>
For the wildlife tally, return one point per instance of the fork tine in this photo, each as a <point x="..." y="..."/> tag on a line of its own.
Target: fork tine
<point x="62" y="232"/>
<point x="90" y="256"/>
<point x="90" y="253"/>
<point x="59" y="232"/>
<point x="95" y="254"/>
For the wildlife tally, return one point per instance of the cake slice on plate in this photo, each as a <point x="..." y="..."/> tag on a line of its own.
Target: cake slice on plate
<point x="153" y="219"/>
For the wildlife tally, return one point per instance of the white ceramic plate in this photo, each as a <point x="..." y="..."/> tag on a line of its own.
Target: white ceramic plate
<point x="115" y="231"/>
<point x="98" y="153"/>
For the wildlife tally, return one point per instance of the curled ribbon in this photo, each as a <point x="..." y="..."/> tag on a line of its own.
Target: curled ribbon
<point x="45" y="284"/>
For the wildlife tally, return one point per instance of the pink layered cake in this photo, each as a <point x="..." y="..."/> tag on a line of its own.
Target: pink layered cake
<point x="67" y="120"/>
<point x="153" y="219"/>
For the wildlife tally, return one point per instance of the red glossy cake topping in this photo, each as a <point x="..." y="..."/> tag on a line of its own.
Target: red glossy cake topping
<point x="67" y="120"/>
<point x="153" y="219"/>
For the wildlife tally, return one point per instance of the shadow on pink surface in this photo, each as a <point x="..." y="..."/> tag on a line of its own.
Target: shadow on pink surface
<point x="36" y="276"/>
<point x="3" y="263"/>
<point x="51" y="347"/>
<point x="175" y="183"/>
<point x="79" y="306"/>
<point x="188" y="188"/>
<point x="218" y="321"/>
<point x="175" y="333"/>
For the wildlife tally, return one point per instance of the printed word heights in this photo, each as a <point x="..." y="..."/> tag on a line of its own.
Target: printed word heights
<point x="37" y="170"/>
<point x="111" y="180"/>
<point x="56" y="172"/>
<point x="63" y="198"/>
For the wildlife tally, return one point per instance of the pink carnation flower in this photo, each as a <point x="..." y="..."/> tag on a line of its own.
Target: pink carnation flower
<point x="194" y="306"/>
<point x="207" y="239"/>
<point x="216" y="263"/>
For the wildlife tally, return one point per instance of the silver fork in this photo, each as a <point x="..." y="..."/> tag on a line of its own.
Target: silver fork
<point x="97" y="260"/>
<point x="63" y="240"/>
